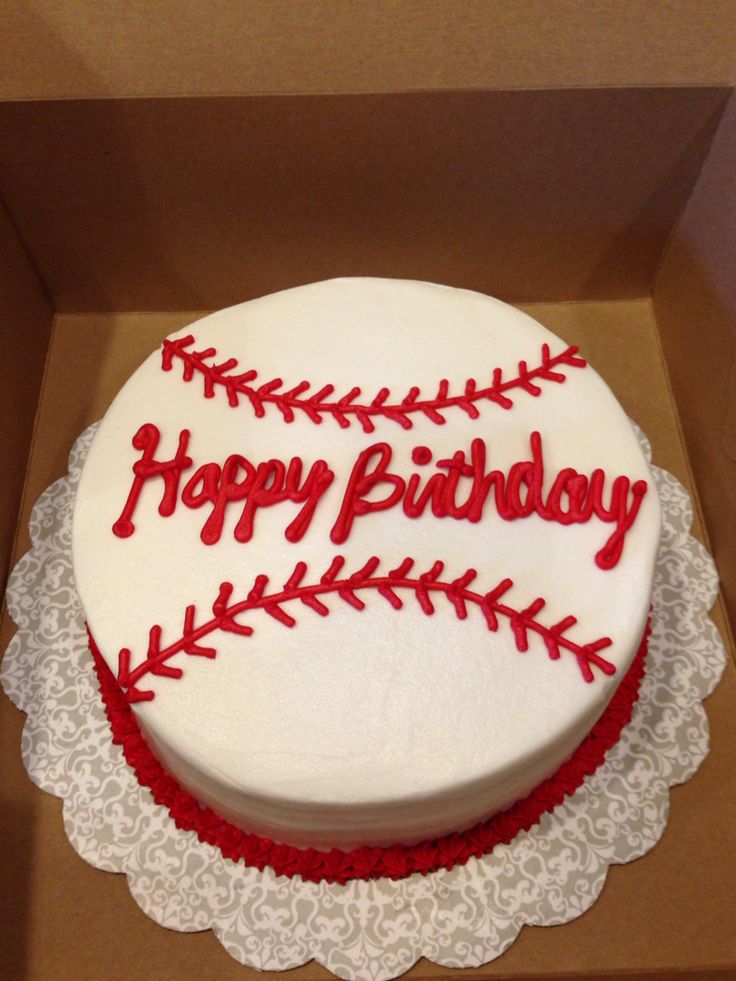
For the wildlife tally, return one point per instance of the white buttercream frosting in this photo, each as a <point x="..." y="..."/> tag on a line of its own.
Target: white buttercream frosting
<point x="384" y="725"/>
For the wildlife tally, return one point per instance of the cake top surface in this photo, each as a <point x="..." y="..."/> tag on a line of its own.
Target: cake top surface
<point x="477" y="439"/>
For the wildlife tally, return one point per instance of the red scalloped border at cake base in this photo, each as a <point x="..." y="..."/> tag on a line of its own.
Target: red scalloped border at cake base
<point x="396" y="861"/>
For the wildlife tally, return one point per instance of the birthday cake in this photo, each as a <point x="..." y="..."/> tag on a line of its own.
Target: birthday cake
<point x="364" y="563"/>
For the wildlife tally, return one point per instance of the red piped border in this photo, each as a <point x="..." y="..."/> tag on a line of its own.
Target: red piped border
<point x="394" y="862"/>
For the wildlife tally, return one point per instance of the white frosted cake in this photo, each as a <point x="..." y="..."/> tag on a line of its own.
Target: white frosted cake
<point x="368" y="558"/>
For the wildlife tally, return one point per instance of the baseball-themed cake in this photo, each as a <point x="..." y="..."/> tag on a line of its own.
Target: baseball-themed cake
<point x="366" y="567"/>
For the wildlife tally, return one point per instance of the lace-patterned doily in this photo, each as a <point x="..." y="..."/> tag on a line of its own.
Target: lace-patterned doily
<point x="375" y="929"/>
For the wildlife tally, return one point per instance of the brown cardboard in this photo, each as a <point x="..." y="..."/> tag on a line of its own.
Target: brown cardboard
<point x="25" y="326"/>
<point x="662" y="915"/>
<point x="182" y="204"/>
<point x="695" y="302"/>
<point x="79" y="49"/>
<point x="458" y="169"/>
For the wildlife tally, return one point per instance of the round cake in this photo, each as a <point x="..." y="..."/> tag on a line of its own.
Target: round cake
<point x="368" y="558"/>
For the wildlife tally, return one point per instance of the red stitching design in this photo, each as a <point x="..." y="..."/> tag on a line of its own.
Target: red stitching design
<point x="392" y="862"/>
<point x="318" y="405"/>
<point x="224" y="613"/>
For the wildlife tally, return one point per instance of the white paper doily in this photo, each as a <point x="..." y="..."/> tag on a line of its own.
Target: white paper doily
<point x="374" y="930"/>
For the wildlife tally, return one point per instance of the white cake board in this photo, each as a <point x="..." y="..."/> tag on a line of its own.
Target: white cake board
<point x="363" y="930"/>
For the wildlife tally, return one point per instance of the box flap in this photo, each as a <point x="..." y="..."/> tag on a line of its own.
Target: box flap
<point x="84" y="49"/>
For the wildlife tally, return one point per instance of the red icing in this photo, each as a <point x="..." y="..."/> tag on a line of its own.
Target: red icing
<point x="421" y="455"/>
<point x="346" y="587"/>
<point x="365" y="863"/>
<point x="572" y="499"/>
<point x="584" y="494"/>
<point x="146" y="440"/>
<point x="259" y="486"/>
<point x="344" y="408"/>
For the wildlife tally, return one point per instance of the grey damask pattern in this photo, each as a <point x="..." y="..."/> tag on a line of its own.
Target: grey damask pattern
<point x="373" y="930"/>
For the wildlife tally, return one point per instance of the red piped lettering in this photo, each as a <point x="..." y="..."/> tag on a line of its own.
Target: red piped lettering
<point x="260" y="486"/>
<point x="457" y="488"/>
<point x="217" y="486"/>
<point x="146" y="468"/>
<point x="361" y="482"/>
<point x="624" y="514"/>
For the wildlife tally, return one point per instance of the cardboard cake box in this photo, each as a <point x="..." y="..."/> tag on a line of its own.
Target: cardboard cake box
<point x="579" y="165"/>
